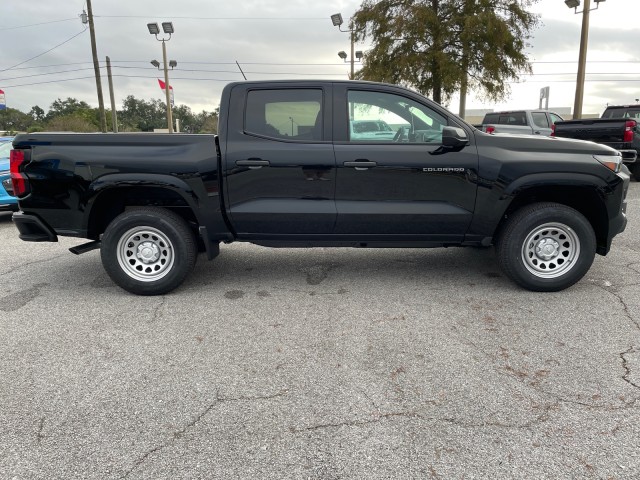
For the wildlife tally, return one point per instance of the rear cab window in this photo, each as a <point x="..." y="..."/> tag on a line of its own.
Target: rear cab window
<point x="506" y="118"/>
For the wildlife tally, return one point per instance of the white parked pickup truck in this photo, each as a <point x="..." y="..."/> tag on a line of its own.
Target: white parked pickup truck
<point x="526" y="122"/>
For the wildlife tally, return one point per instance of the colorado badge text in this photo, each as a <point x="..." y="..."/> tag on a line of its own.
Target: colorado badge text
<point x="443" y="169"/>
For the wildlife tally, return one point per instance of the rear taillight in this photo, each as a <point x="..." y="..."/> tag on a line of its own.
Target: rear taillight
<point x="629" y="128"/>
<point x="490" y="129"/>
<point x="20" y="182"/>
<point x="553" y="130"/>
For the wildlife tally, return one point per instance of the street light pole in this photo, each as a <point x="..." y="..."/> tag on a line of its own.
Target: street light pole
<point x="167" y="88"/>
<point x="352" y="55"/>
<point x="167" y="27"/>
<point x="582" y="57"/>
<point x="336" y="18"/>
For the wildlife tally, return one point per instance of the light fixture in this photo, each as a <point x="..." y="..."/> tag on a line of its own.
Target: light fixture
<point x="167" y="27"/>
<point x="342" y="54"/>
<point x="572" y="3"/>
<point x="336" y="18"/>
<point x="359" y="54"/>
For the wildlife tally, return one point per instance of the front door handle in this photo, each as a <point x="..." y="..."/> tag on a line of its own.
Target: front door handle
<point x="360" y="164"/>
<point x="253" y="163"/>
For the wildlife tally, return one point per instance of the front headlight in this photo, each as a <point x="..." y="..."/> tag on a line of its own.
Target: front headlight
<point x="612" y="162"/>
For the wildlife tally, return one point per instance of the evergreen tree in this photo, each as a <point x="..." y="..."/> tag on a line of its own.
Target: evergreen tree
<point x="440" y="46"/>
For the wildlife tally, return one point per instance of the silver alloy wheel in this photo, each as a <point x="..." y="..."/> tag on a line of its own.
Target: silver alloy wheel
<point x="551" y="250"/>
<point x="145" y="254"/>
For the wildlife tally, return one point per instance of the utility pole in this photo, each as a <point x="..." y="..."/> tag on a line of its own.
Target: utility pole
<point x="114" y="115"/>
<point x="582" y="61"/>
<point x="96" y="68"/>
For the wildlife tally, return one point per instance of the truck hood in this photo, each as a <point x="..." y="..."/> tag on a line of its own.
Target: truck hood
<point x="532" y="143"/>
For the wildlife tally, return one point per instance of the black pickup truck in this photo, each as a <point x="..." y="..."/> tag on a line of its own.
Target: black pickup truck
<point x="285" y="172"/>
<point x="616" y="128"/>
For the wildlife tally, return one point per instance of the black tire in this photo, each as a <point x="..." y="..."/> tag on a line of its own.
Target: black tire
<point x="546" y="247"/>
<point x="148" y="251"/>
<point x="635" y="171"/>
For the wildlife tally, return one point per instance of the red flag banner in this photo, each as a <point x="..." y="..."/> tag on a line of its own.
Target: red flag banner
<point x="164" y="85"/>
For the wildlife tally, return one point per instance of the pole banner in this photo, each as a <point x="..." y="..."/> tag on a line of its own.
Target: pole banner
<point x="163" y="86"/>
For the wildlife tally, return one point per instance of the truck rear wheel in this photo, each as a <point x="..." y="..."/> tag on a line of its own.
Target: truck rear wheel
<point x="148" y="251"/>
<point x="546" y="247"/>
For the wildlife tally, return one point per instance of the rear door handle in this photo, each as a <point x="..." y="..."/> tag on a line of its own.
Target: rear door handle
<point x="360" y="164"/>
<point x="253" y="163"/>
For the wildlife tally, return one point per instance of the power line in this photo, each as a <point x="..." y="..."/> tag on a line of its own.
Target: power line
<point x="231" y="80"/>
<point x="212" y="18"/>
<point x="40" y="54"/>
<point x="47" y="73"/>
<point x="36" y="24"/>
<point x="310" y="74"/>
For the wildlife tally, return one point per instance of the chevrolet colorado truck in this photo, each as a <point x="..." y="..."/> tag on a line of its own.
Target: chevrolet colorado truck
<point x="285" y="172"/>
<point x="617" y="127"/>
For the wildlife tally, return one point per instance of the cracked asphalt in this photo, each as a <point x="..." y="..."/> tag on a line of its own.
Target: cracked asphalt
<point x="320" y="364"/>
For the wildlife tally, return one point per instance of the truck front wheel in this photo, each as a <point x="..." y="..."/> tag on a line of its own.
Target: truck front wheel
<point x="546" y="247"/>
<point x="148" y="251"/>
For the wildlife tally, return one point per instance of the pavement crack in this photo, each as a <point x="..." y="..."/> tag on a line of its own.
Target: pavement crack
<point x="625" y="307"/>
<point x="39" y="435"/>
<point x="354" y="423"/>
<point x="27" y="264"/>
<point x="157" y="311"/>
<point x="627" y="368"/>
<point x="191" y="424"/>
<point x="251" y="398"/>
<point x="543" y="417"/>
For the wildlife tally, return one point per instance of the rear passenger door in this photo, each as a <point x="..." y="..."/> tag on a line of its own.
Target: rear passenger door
<point x="279" y="161"/>
<point x="541" y="125"/>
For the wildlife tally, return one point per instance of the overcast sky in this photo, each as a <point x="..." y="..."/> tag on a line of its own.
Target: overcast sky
<point x="41" y="60"/>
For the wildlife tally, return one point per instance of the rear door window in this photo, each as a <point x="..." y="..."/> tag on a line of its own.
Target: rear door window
<point x="287" y="114"/>
<point x="540" y="119"/>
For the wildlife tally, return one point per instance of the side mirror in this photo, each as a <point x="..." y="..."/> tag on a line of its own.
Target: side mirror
<point x="454" y="137"/>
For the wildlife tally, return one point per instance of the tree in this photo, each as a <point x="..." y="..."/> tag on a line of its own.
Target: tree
<point x="71" y="123"/>
<point x="142" y="115"/>
<point x="37" y="113"/>
<point x="70" y="106"/>
<point x="12" y="120"/>
<point x="434" y="46"/>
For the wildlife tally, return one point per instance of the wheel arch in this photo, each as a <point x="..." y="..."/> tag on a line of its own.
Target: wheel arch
<point x="584" y="198"/>
<point x="112" y="196"/>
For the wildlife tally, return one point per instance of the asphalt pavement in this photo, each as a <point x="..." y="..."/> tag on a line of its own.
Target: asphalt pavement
<point x="319" y="363"/>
